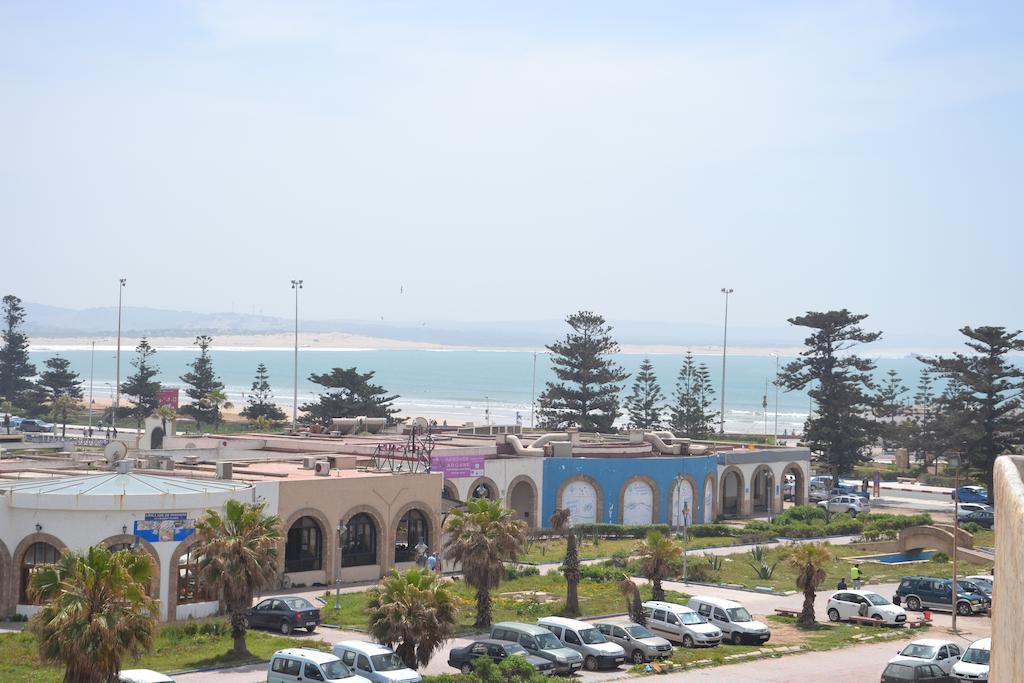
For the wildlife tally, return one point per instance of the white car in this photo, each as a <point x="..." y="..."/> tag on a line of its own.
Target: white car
<point x="984" y="581"/>
<point x="942" y="653"/>
<point x="966" y="509"/>
<point x="853" y="505"/>
<point x="973" y="664"/>
<point x="143" y="676"/>
<point x="856" y="603"/>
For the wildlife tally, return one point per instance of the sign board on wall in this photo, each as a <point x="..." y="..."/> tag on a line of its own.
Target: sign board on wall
<point x="165" y="526"/>
<point x="456" y="466"/>
<point x="168" y="397"/>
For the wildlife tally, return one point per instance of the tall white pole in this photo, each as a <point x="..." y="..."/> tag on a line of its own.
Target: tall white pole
<point x="117" y="383"/>
<point x="92" y="365"/>
<point x="533" y="389"/>
<point x="296" y="285"/>
<point x="725" y="340"/>
<point x="776" y="432"/>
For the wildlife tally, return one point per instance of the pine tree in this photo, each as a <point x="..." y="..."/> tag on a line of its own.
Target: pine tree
<point x="348" y="393"/>
<point x="841" y="429"/>
<point x="926" y="419"/>
<point x="587" y="395"/>
<point x="889" y="408"/>
<point x="140" y="387"/>
<point x="261" y="399"/>
<point x="200" y="383"/>
<point x="59" y="380"/>
<point x="982" y="400"/>
<point x="15" y="370"/>
<point x="691" y="414"/>
<point x="645" y="403"/>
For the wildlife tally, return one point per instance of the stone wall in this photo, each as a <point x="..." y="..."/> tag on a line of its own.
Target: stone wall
<point x="1008" y="601"/>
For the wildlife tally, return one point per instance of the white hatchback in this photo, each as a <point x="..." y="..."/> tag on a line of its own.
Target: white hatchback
<point x="852" y="505"/>
<point x="973" y="664"/>
<point x="857" y="603"/>
<point x="942" y="653"/>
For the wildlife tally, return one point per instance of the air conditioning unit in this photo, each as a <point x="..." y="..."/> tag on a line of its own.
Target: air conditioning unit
<point x="191" y="459"/>
<point x="167" y="464"/>
<point x="309" y="462"/>
<point x="224" y="470"/>
<point x="322" y="468"/>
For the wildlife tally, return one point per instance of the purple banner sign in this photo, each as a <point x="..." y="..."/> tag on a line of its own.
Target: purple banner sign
<point x="455" y="466"/>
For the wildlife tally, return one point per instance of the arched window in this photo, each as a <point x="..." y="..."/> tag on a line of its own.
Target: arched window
<point x="360" y="542"/>
<point x="36" y="557"/>
<point x="304" y="551"/>
<point x="118" y="547"/>
<point x="482" y="490"/>
<point x="190" y="588"/>
<point x="412" y="530"/>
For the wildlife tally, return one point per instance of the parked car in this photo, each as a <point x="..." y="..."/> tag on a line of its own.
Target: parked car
<point x="681" y="624"/>
<point x="732" y="618"/>
<point x="35" y="426"/>
<point x="919" y="592"/>
<point x="970" y="494"/>
<point x="463" y="658"/>
<point x="857" y="603"/>
<point x="374" y="662"/>
<point x="849" y="490"/>
<point x="297" y="664"/>
<point x="965" y="509"/>
<point x="942" y="653"/>
<point x="852" y="505"/>
<point x="639" y="643"/>
<point x="597" y="652"/>
<point x="285" y="614"/>
<point x="541" y="642"/>
<point x="921" y="672"/>
<point x="143" y="676"/>
<point x="985" y="518"/>
<point x="983" y="581"/>
<point x="973" y="664"/>
<point x="968" y="586"/>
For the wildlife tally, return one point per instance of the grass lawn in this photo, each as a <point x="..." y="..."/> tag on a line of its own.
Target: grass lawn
<point x="176" y="649"/>
<point x="554" y="550"/>
<point x="986" y="538"/>
<point x="512" y="601"/>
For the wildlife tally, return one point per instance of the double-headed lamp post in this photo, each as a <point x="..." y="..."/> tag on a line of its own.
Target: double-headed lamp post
<point x="725" y="341"/>
<point x="296" y="285"/>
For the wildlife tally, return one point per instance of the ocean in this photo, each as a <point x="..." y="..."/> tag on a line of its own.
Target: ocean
<point x="461" y="385"/>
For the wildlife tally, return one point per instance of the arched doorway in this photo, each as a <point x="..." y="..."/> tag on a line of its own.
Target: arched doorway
<point x="522" y="500"/>
<point x="412" y="531"/>
<point x="483" y="490"/>
<point x="637" y="502"/>
<point x="732" y="492"/>
<point x="682" y="507"/>
<point x="709" y="500"/>
<point x="304" y="549"/>
<point x="794" y="484"/>
<point x="156" y="439"/>
<point x="581" y="498"/>
<point x="35" y="557"/>
<point x="762" y="490"/>
<point x="360" y="547"/>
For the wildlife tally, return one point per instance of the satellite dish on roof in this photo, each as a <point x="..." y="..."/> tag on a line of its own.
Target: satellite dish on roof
<point x="114" y="451"/>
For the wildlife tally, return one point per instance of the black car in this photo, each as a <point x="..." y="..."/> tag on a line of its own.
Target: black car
<point x="461" y="658"/>
<point x="285" y="614"/>
<point x="902" y="672"/>
<point x="983" y="518"/>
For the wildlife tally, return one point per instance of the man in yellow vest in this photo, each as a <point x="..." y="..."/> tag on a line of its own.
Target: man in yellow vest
<point x="855" y="576"/>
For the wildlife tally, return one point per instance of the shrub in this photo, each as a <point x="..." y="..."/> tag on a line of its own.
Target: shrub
<point x="620" y="558"/>
<point x="700" y="570"/>
<point x="972" y="527"/>
<point x="940" y="557"/>
<point x="805" y="514"/>
<point x="601" y="572"/>
<point x="706" y="530"/>
<point x="757" y="526"/>
<point x="515" y="571"/>
<point x="844" y="524"/>
<point x="638" y="531"/>
<point x="713" y="561"/>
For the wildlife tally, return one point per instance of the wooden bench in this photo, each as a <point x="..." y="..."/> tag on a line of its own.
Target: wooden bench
<point x="916" y="623"/>
<point x="867" y="621"/>
<point x="786" y="612"/>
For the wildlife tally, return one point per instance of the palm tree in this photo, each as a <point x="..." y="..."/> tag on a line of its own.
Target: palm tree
<point x="262" y="423"/>
<point x="414" y="613"/>
<point x="218" y="399"/>
<point x="481" y="537"/>
<point x="634" y="603"/>
<point x="165" y="413"/>
<point x="60" y="407"/>
<point x="6" y="407"/>
<point x="658" y="557"/>
<point x="237" y="557"/>
<point x="561" y="522"/>
<point x="96" y="612"/>
<point x="809" y="560"/>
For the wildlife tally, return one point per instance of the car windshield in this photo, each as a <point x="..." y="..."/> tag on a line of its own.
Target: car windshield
<point x="984" y="583"/>
<point x="591" y="636"/>
<point x="876" y="599"/>
<point x="638" y="631"/>
<point x="739" y="614"/>
<point x="919" y="651"/>
<point x="691" y="618"/>
<point x="975" y="655"/>
<point x="387" y="662"/>
<point x="515" y="649"/>
<point x="298" y="604"/>
<point x="547" y="641"/>
<point x="336" y="669"/>
<point x="899" y="672"/>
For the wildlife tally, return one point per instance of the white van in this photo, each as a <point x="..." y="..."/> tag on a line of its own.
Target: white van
<point x="597" y="652"/>
<point x="681" y="624"/>
<point x="374" y="661"/>
<point x="973" y="664"/>
<point x="297" y="664"/>
<point x="735" y="621"/>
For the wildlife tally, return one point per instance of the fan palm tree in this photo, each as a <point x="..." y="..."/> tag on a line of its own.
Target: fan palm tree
<point x="481" y="537"/>
<point x="165" y="413"/>
<point x="60" y="407"/>
<point x="218" y="399"/>
<point x="634" y="603"/>
<point x="96" y="612"/>
<point x="658" y="557"/>
<point x="237" y="557"/>
<point x="810" y="561"/>
<point x="561" y="522"/>
<point x="414" y="613"/>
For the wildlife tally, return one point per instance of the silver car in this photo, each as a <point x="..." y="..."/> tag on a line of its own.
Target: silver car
<point x="640" y="644"/>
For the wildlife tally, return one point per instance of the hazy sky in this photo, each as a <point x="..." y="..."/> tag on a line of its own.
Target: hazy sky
<point x="517" y="160"/>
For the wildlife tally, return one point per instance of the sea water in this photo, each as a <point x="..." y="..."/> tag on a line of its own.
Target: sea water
<point x="461" y="386"/>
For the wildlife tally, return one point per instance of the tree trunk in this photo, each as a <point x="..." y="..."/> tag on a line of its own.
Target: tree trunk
<point x="483" y="608"/>
<point x="807" y="613"/>
<point x="237" y="621"/>
<point x="571" y="569"/>
<point x="406" y="651"/>
<point x="657" y="592"/>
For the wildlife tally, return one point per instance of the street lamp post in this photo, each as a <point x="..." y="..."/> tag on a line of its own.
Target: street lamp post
<point x="725" y="340"/>
<point x="296" y="285"/>
<point x="92" y="365"/>
<point x="954" y="460"/>
<point x="775" y="433"/>
<point x="685" y="520"/>
<point x="341" y="546"/>
<point x="117" y="381"/>
<point x="533" y="389"/>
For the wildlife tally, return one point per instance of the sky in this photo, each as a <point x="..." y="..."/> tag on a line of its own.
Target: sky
<point x="519" y="160"/>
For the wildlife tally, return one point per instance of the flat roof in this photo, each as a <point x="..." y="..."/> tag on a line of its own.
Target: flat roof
<point x="114" y="484"/>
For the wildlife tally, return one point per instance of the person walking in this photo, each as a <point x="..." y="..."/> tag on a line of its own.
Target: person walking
<point x="431" y="561"/>
<point x="856" y="575"/>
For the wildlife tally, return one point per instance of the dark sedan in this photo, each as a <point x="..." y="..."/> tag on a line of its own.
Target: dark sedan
<point x="983" y="518"/>
<point x="284" y="614"/>
<point x="497" y="651"/>
<point x="905" y="672"/>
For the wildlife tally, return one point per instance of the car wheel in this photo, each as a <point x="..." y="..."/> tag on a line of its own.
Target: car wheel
<point x="245" y="623"/>
<point x="310" y="629"/>
<point x="963" y="609"/>
<point x="286" y="628"/>
<point x="853" y="512"/>
<point x="913" y="604"/>
<point x="876" y="617"/>
<point x="466" y="668"/>
<point x="687" y="641"/>
<point x="833" y="614"/>
<point x="737" y="639"/>
<point x="590" y="663"/>
<point x="638" y="657"/>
